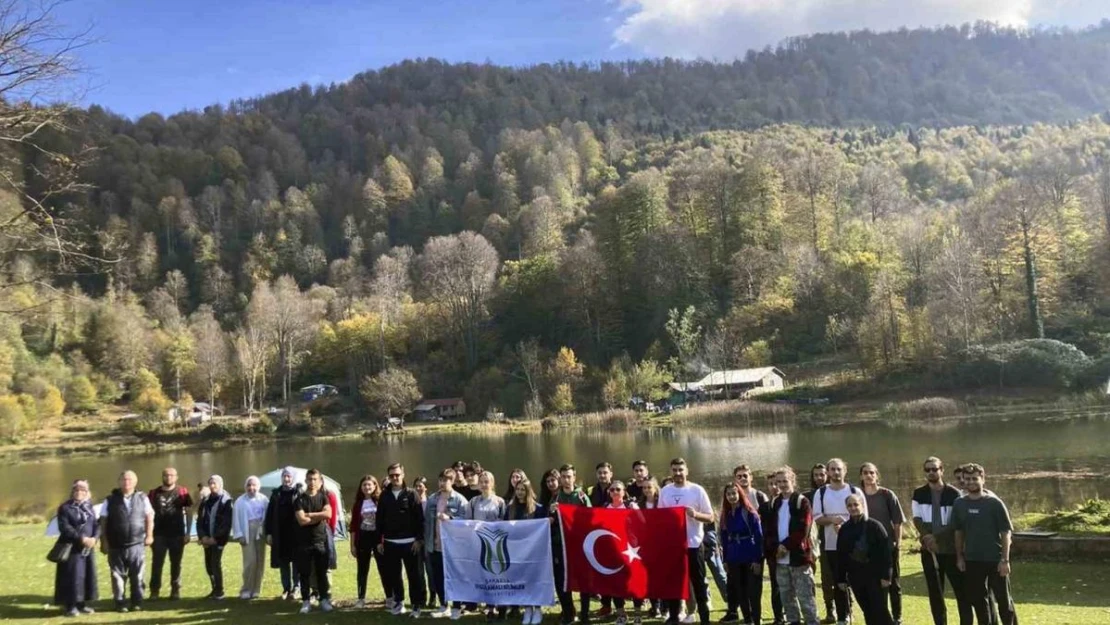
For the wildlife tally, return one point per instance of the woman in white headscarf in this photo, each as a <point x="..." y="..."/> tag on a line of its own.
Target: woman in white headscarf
<point x="247" y="527"/>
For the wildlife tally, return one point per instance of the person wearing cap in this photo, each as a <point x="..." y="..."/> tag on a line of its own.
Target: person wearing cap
<point x="75" y="579"/>
<point x="280" y="526"/>
<point x="213" y="531"/>
<point x="246" y="527"/>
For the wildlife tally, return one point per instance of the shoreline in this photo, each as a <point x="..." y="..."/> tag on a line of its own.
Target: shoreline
<point x="102" y="439"/>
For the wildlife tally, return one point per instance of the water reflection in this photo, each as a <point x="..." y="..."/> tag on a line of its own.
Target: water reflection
<point x="1012" y="449"/>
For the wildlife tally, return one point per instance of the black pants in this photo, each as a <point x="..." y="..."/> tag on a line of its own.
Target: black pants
<point x="895" y="590"/>
<point x="871" y="597"/>
<point x="842" y="598"/>
<point x="936" y="572"/>
<point x="367" y="541"/>
<point x="981" y="581"/>
<point x="696" y="566"/>
<point x="174" y="546"/>
<point x="312" y="560"/>
<point x="745" y="591"/>
<point x="214" y="567"/>
<point x="776" y="598"/>
<point x="566" y="599"/>
<point x="438" y="582"/>
<point x="401" y="555"/>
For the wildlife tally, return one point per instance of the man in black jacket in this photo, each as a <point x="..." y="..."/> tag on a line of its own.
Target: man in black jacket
<point x="213" y="532"/>
<point x="126" y="530"/>
<point x="933" y="518"/>
<point x="401" y="523"/>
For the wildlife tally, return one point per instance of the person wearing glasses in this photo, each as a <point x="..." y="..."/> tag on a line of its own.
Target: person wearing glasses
<point x="401" y="523"/>
<point x="932" y="506"/>
<point x="883" y="506"/>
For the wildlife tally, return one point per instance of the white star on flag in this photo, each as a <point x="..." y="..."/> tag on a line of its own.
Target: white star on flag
<point x="632" y="553"/>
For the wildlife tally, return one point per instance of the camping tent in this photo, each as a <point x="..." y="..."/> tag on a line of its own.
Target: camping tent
<point x="269" y="481"/>
<point x="272" y="480"/>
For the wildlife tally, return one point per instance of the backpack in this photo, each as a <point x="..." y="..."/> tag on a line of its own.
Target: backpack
<point x="852" y="490"/>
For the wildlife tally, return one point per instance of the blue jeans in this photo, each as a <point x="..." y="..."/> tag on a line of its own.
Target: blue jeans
<point x="715" y="564"/>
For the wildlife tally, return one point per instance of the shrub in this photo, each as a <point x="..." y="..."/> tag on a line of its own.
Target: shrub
<point x="549" y="424"/>
<point x="108" y="391"/>
<point x="151" y="403"/>
<point x="51" y="405"/>
<point x="1038" y="363"/>
<point x="12" y="420"/>
<point x="263" y="425"/>
<point x="30" y="409"/>
<point x="83" y="396"/>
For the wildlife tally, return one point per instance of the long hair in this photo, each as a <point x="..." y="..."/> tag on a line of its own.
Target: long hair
<point x="812" y="482"/>
<point x="361" y="497"/>
<point x="546" y="495"/>
<point x="655" y="488"/>
<point x="510" y="490"/>
<point x="529" y="503"/>
<point x="727" y="509"/>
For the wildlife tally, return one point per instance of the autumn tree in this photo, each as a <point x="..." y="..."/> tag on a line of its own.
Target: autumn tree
<point x="459" y="272"/>
<point x="392" y="392"/>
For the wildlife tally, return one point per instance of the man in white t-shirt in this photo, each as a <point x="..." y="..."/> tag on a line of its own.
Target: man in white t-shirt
<point x="830" y="511"/>
<point x="681" y="493"/>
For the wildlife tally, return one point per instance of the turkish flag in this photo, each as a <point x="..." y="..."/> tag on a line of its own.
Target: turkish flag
<point x="633" y="554"/>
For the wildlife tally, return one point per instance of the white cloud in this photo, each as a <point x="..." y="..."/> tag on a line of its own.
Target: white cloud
<point x="725" y="29"/>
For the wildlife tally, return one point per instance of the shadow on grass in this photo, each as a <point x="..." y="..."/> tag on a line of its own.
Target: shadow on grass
<point x="35" y="608"/>
<point x="1080" y="584"/>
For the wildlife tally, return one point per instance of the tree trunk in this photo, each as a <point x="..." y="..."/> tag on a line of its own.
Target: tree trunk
<point x="1036" y="323"/>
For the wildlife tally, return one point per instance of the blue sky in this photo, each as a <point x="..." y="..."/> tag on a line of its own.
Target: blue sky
<point x="169" y="55"/>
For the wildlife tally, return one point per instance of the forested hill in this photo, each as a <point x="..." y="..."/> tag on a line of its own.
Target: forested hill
<point x="559" y="238"/>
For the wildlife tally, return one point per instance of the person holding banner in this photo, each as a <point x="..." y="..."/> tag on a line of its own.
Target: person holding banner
<point x="443" y="505"/>
<point x="487" y="506"/>
<point x="523" y="506"/>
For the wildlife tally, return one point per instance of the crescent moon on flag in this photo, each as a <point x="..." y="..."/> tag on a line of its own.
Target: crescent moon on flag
<point x="588" y="550"/>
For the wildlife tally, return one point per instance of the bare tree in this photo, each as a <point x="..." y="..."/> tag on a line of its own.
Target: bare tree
<point x="389" y="287"/>
<point x="212" y="353"/>
<point x="252" y="351"/>
<point x="459" y="271"/>
<point x="289" y="319"/>
<point x="37" y="66"/>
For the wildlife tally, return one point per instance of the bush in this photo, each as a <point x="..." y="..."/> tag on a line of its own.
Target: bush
<point x="12" y="419"/>
<point x="263" y="425"/>
<point x="83" y="396"/>
<point x="324" y="406"/>
<point x="924" y="408"/>
<point x="549" y="424"/>
<point x="108" y="391"/>
<point x="151" y="403"/>
<point x="1036" y="363"/>
<point x="51" y="405"/>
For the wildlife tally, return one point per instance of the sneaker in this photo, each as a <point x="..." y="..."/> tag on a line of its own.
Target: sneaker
<point x="136" y="607"/>
<point x="245" y="595"/>
<point x="441" y="612"/>
<point x="456" y="614"/>
<point x="218" y="596"/>
<point x="689" y="619"/>
<point x="360" y="604"/>
<point x="729" y="617"/>
<point x="153" y="593"/>
<point x="325" y="605"/>
<point x="622" y="619"/>
<point x="417" y="613"/>
<point x="86" y="610"/>
<point x="72" y="612"/>
<point x="122" y="609"/>
<point x="306" y="607"/>
<point x="389" y="603"/>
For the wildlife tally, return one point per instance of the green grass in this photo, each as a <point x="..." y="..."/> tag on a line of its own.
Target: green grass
<point x="1047" y="592"/>
<point x="1091" y="518"/>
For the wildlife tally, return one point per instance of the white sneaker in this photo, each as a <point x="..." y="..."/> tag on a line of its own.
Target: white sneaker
<point x="689" y="619"/>
<point x="245" y="594"/>
<point x="456" y="614"/>
<point x="306" y="607"/>
<point x="389" y="603"/>
<point x="537" y="615"/>
<point x="360" y="604"/>
<point x="326" y="606"/>
<point x="415" y="613"/>
<point x="440" y="612"/>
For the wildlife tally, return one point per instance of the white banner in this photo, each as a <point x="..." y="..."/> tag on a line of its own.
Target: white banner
<point x="498" y="563"/>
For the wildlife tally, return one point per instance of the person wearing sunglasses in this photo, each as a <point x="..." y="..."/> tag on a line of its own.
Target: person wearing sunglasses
<point x="932" y="506"/>
<point x="401" y="523"/>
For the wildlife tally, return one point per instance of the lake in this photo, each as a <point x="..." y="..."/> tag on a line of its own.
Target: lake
<point x="1034" y="461"/>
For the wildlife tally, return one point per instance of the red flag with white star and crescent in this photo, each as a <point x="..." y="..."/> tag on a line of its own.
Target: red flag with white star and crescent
<point x="632" y="554"/>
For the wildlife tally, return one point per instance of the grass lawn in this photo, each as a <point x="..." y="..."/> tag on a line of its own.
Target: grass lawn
<point x="1047" y="592"/>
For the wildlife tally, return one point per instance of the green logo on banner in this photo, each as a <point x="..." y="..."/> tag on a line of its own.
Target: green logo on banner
<point x="495" y="550"/>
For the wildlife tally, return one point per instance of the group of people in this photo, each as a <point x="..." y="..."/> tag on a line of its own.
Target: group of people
<point x="853" y="533"/>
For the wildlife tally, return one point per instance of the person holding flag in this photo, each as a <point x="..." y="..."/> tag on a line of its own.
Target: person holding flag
<point x="569" y="494"/>
<point x="682" y="493"/>
<point x="618" y="500"/>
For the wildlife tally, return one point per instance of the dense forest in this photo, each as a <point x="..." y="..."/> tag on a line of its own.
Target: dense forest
<point x="562" y="237"/>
